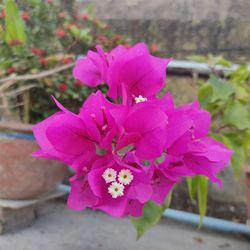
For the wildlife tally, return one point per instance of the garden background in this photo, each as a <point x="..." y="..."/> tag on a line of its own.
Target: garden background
<point x="209" y="41"/>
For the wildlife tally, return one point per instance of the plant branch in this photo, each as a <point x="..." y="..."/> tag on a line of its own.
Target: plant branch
<point x="36" y="76"/>
<point x="20" y="90"/>
<point x="221" y="128"/>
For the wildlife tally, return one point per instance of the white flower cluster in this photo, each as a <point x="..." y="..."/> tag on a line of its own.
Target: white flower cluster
<point x="116" y="189"/>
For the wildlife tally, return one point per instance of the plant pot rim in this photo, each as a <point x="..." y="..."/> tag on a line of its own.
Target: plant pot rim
<point x="15" y="127"/>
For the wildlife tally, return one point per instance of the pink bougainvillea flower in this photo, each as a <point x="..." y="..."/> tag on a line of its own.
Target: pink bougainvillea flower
<point x="132" y="70"/>
<point x="200" y="154"/>
<point x="205" y="157"/>
<point x="69" y="137"/>
<point x="128" y="187"/>
<point x="200" y="117"/>
<point x="91" y="70"/>
<point x="164" y="176"/>
<point x="117" y="126"/>
<point x="105" y="126"/>
<point x="140" y="73"/>
<point x="135" y="147"/>
<point x="81" y="196"/>
<point x="100" y="124"/>
<point x="63" y="137"/>
<point x="117" y="187"/>
<point x="150" y="123"/>
<point x="188" y="151"/>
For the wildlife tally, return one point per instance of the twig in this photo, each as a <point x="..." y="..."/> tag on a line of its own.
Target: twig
<point x="6" y="85"/>
<point x="26" y="106"/>
<point x="17" y="105"/>
<point x="37" y="76"/>
<point x="6" y="109"/>
<point x="216" y="73"/>
<point x="221" y="128"/>
<point x="20" y="90"/>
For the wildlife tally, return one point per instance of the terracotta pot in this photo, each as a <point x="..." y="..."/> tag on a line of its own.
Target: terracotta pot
<point x="23" y="176"/>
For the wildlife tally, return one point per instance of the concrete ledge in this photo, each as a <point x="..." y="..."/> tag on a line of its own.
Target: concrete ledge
<point x="19" y="214"/>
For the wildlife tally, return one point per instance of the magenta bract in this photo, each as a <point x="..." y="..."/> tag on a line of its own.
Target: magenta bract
<point x="134" y="148"/>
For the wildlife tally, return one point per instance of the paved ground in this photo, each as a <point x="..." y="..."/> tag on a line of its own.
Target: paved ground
<point x="60" y="229"/>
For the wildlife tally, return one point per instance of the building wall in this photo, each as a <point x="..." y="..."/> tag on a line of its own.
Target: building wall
<point x="183" y="27"/>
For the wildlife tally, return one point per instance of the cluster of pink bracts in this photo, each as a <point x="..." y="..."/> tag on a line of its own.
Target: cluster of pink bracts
<point x="134" y="148"/>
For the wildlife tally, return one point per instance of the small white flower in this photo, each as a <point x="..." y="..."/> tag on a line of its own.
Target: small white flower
<point x="116" y="189"/>
<point x="109" y="175"/>
<point x="140" y="98"/>
<point x="125" y="176"/>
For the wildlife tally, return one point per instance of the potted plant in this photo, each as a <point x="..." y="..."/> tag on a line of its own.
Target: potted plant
<point x="30" y="71"/>
<point x="23" y="176"/>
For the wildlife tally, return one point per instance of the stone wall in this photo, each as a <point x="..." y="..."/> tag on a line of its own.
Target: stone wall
<point x="183" y="27"/>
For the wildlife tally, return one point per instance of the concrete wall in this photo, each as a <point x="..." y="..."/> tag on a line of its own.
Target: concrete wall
<point x="183" y="27"/>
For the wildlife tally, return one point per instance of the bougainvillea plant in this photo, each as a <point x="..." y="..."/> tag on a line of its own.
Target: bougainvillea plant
<point x="130" y="148"/>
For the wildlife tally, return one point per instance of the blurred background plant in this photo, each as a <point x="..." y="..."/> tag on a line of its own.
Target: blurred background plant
<point x="37" y="36"/>
<point x="226" y="96"/>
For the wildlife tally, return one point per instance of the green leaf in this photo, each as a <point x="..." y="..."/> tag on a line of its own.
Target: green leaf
<point x="241" y="75"/>
<point x="222" y="61"/>
<point x="192" y="183"/>
<point x="74" y="31"/>
<point x="151" y="215"/>
<point x="239" y="156"/>
<point x="199" y="185"/>
<point x="222" y="138"/>
<point x="205" y="94"/>
<point x="15" y="27"/>
<point x="221" y="89"/>
<point x="84" y="32"/>
<point x="124" y="150"/>
<point x="202" y="190"/>
<point x="238" y="160"/>
<point x="246" y="141"/>
<point x="168" y="200"/>
<point x="197" y="58"/>
<point x="237" y="114"/>
<point x="242" y="93"/>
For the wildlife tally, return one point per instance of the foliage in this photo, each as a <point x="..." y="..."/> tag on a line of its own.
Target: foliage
<point x="14" y="24"/>
<point x="198" y="186"/>
<point x="152" y="214"/>
<point x="38" y="35"/>
<point x="226" y="95"/>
